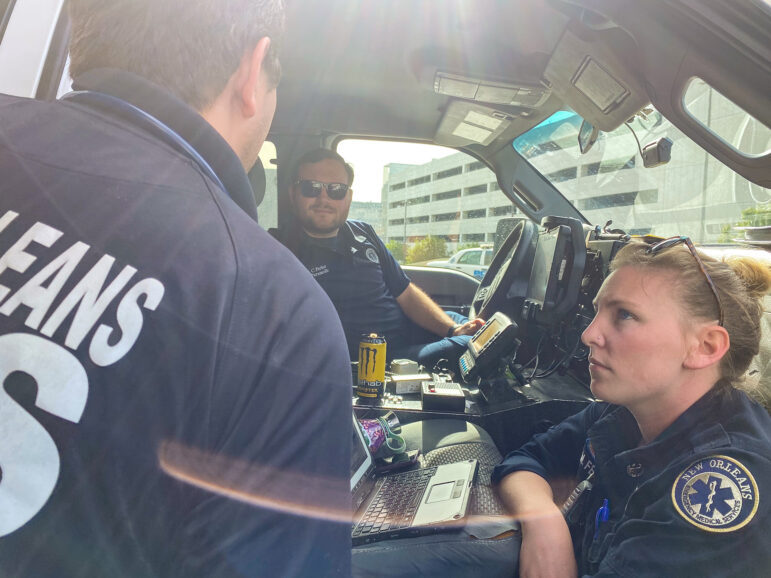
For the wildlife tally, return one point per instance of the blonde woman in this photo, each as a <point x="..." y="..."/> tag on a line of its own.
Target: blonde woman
<point x="674" y="465"/>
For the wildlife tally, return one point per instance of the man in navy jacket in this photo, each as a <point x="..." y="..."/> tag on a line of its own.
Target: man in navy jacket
<point x="369" y="289"/>
<point x="168" y="408"/>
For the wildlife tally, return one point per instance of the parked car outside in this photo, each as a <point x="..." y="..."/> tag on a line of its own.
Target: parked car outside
<point x="472" y="261"/>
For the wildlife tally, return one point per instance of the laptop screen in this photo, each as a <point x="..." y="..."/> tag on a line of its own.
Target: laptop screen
<point x="361" y="459"/>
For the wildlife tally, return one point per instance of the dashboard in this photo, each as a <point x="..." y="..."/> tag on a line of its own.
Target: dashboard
<point x="526" y="366"/>
<point x="564" y="271"/>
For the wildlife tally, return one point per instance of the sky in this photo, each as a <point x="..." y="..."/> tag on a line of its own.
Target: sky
<point x="369" y="156"/>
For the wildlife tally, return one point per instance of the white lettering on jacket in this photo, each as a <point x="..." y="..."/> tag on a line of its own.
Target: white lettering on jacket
<point x="29" y="459"/>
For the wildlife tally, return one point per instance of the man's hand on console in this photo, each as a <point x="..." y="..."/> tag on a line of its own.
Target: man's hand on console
<point x="470" y="327"/>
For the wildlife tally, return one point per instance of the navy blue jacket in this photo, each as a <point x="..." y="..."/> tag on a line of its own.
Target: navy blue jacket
<point x="362" y="279"/>
<point x="694" y="502"/>
<point x="168" y="406"/>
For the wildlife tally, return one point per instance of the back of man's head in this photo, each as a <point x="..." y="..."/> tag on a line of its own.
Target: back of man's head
<point x="190" y="48"/>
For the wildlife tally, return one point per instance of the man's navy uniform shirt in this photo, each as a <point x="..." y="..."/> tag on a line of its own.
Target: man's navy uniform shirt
<point x="694" y="502"/>
<point x="362" y="279"/>
<point x="168" y="406"/>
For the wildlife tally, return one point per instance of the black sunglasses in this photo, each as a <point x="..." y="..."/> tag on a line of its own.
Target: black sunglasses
<point x="671" y="242"/>
<point x="312" y="189"/>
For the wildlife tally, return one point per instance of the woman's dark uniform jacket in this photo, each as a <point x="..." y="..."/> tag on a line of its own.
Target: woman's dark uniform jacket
<point x="226" y="362"/>
<point x="694" y="502"/>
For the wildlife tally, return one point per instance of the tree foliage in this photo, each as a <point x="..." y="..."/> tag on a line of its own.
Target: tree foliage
<point x="398" y="250"/>
<point x="427" y="248"/>
<point x="757" y="216"/>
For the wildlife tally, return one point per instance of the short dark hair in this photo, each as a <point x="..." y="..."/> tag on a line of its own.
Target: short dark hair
<point x="316" y="156"/>
<point x="189" y="48"/>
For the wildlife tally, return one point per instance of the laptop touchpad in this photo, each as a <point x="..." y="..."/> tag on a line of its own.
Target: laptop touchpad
<point x="440" y="492"/>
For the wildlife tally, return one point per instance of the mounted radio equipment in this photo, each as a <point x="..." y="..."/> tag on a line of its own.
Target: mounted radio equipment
<point x="495" y="340"/>
<point x="560" y="258"/>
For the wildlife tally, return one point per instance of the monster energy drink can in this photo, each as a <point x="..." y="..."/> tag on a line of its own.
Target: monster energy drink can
<point x="372" y="362"/>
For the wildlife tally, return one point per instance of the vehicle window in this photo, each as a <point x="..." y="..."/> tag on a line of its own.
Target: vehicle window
<point x="5" y="14"/>
<point x="65" y="83"/>
<point x="693" y="194"/>
<point x="267" y="211"/>
<point x="426" y="202"/>
<point x="469" y="258"/>
<point x="726" y="120"/>
<point x="488" y="257"/>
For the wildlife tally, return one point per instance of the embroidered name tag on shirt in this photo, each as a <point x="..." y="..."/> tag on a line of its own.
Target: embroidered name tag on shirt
<point x="587" y="460"/>
<point x="319" y="270"/>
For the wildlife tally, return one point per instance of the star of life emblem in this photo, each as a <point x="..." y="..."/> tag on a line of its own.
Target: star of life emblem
<point x="716" y="494"/>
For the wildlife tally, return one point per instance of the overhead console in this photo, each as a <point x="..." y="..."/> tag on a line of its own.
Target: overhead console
<point x="591" y="70"/>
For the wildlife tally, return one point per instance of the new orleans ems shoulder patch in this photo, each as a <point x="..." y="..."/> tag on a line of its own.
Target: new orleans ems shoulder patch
<point x="716" y="494"/>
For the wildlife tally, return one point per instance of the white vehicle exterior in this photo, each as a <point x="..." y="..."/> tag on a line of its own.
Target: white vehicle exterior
<point x="471" y="261"/>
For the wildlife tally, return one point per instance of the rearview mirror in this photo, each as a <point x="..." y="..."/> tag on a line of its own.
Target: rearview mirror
<point x="587" y="136"/>
<point x="657" y="153"/>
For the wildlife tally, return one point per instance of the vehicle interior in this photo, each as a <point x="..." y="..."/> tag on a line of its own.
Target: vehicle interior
<point x="547" y="96"/>
<point x="484" y="78"/>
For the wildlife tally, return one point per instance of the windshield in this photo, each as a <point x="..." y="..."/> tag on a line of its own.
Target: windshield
<point x="429" y="204"/>
<point x="693" y="194"/>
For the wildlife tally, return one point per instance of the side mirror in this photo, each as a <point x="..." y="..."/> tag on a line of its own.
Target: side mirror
<point x="587" y="136"/>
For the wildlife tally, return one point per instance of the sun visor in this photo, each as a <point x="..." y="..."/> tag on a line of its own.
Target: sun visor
<point x="465" y="123"/>
<point x="589" y="75"/>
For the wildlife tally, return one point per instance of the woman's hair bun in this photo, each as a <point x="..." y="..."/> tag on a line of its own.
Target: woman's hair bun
<point x="754" y="274"/>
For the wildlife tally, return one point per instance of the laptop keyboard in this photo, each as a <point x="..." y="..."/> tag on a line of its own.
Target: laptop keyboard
<point x="396" y="502"/>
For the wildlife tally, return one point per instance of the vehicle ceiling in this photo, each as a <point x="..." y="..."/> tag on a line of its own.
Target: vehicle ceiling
<point x="366" y="67"/>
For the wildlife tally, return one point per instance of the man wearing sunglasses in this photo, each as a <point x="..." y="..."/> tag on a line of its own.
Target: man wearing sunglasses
<point x="367" y="286"/>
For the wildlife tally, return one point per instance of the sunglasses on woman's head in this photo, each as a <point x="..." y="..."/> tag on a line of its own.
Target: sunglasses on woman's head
<point x="312" y="189"/>
<point x="671" y="242"/>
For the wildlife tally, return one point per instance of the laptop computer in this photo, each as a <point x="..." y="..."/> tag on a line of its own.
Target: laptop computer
<point x="411" y="503"/>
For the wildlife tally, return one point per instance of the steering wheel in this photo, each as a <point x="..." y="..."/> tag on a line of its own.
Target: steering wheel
<point x="509" y="273"/>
